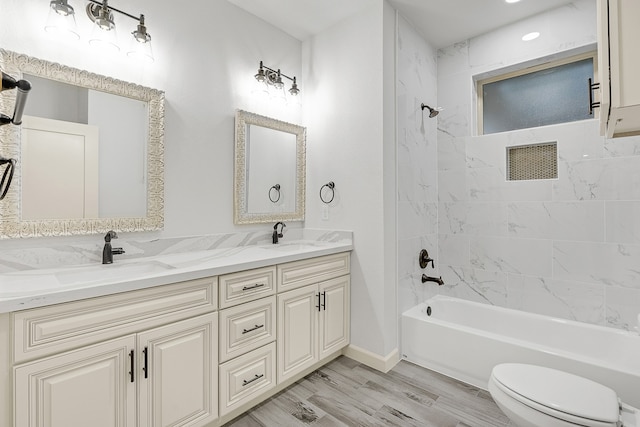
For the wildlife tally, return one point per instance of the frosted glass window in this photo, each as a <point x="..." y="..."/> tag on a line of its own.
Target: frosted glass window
<point x="553" y="95"/>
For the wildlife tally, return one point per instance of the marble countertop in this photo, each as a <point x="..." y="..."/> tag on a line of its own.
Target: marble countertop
<point x="22" y="290"/>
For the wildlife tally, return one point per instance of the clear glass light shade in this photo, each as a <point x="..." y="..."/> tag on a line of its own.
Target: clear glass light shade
<point x="140" y="51"/>
<point x="278" y="95"/>
<point x="62" y="26"/>
<point x="104" y="40"/>
<point x="260" y="89"/>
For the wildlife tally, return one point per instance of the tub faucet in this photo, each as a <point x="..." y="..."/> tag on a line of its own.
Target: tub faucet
<point x="438" y="280"/>
<point x="108" y="251"/>
<point x="276" y="235"/>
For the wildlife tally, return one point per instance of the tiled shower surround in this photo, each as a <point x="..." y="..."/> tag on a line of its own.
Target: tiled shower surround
<point x="566" y="247"/>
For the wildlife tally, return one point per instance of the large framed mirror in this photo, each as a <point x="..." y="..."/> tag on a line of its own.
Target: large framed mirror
<point x="270" y="170"/>
<point x="90" y="153"/>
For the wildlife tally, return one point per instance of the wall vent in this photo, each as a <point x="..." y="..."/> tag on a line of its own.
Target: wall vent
<point x="538" y="161"/>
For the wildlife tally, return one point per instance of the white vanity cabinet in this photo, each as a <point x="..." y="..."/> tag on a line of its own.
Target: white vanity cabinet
<point x="313" y="317"/>
<point x="157" y="371"/>
<point x="619" y="67"/>
<point x="247" y="337"/>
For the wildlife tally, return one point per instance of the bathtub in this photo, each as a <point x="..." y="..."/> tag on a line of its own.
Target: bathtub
<point x="465" y="340"/>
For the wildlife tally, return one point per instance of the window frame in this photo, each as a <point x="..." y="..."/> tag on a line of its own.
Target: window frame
<point x="593" y="54"/>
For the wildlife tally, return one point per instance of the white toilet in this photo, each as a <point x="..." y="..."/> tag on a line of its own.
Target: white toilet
<point x="535" y="396"/>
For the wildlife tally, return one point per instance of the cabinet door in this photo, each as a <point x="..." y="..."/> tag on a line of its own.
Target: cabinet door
<point x="87" y="387"/>
<point x="297" y="331"/>
<point x="334" y="315"/>
<point x="177" y="374"/>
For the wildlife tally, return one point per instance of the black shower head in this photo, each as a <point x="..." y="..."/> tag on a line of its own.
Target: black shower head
<point x="432" y="111"/>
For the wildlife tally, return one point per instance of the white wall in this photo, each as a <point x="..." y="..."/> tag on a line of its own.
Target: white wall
<point x="345" y="67"/>
<point x="205" y="56"/>
<point x="568" y="247"/>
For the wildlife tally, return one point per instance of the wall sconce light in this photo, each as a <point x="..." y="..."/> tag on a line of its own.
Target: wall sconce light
<point x="62" y="21"/>
<point x="272" y="80"/>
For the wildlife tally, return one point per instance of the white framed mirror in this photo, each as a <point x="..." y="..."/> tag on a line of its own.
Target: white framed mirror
<point x="90" y="153"/>
<point x="270" y="170"/>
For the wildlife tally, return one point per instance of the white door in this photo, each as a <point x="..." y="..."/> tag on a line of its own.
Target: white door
<point x="178" y="373"/>
<point x="334" y="315"/>
<point x="297" y="330"/>
<point x="59" y="169"/>
<point x="87" y="387"/>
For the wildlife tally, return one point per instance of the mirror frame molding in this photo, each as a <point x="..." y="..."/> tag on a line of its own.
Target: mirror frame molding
<point x="240" y="214"/>
<point x="11" y="225"/>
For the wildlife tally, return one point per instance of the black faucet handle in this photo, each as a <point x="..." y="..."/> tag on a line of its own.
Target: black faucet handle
<point x="117" y="251"/>
<point x="110" y="235"/>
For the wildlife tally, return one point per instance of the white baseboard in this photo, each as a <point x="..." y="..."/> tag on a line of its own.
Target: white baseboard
<point x="375" y="361"/>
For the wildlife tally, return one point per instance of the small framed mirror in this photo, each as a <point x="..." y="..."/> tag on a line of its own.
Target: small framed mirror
<point x="270" y="170"/>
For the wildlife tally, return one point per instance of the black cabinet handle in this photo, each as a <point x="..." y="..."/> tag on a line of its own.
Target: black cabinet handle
<point x="318" y="306"/>
<point x="257" y="285"/>
<point x="246" y="331"/>
<point x="131" y="372"/>
<point x="145" y="368"/>
<point x="256" y="378"/>
<point x="592" y="104"/>
<point x="324" y="301"/>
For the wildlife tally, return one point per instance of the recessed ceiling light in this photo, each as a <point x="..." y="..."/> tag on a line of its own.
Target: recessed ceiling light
<point x="512" y="1"/>
<point x="530" y="36"/>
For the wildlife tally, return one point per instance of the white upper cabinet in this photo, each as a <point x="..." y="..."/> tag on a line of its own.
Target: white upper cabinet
<point x="619" y="67"/>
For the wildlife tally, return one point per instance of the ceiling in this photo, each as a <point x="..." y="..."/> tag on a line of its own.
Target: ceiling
<point x="441" y="22"/>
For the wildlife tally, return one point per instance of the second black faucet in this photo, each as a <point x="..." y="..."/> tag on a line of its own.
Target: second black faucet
<point x="276" y="235"/>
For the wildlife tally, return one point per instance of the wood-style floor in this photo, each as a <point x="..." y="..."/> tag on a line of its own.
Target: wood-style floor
<point x="347" y="393"/>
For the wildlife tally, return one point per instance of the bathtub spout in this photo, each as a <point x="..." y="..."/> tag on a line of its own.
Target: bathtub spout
<point x="438" y="280"/>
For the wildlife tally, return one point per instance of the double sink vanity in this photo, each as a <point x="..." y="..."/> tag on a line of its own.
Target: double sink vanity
<point x="192" y="338"/>
<point x="185" y="337"/>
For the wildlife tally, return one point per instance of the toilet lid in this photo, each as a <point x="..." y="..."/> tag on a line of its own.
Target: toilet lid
<point x="559" y="391"/>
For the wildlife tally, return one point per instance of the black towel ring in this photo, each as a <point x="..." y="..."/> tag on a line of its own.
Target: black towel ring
<point x="277" y="188"/>
<point x="331" y="187"/>
<point x="7" y="176"/>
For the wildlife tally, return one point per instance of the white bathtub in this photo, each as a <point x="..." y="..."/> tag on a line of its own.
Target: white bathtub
<point x="465" y="340"/>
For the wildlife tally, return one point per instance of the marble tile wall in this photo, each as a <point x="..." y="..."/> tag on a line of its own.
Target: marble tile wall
<point x="568" y="247"/>
<point x="417" y="164"/>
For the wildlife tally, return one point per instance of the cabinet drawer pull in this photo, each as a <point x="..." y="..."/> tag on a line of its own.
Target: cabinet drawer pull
<point x="324" y="301"/>
<point x="145" y="368"/>
<point x="246" y="331"/>
<point x="256" y="378"/>
<point x="257" y="285"/>
<point x="132" y="360"/>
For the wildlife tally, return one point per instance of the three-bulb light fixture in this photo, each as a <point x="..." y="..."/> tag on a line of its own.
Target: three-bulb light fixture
<point x="269" y="81"/>
<point x="62" y="21"/>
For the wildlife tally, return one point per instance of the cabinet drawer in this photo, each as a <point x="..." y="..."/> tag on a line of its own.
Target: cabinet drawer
<point x="247" y="377"/>
<point x="246" y="327"/>
<point x="47" y="330"/>
<point x="306" y="272"/>
<point x="247" y="286"/>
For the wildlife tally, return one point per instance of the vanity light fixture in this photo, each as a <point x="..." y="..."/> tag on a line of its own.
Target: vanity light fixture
<point x="62" y="20"/>
<point x="273" y="79"/>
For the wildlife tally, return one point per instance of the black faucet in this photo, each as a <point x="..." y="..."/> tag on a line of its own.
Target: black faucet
<point x="438" y="280"/>
<point x="108" y="251"/>
<point x="276" y="235"/>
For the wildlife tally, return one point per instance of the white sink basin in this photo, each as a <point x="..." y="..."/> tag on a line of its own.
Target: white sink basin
<point x="37" y="281"/>
<point x="109" y="272"/>
<point x="293" y="246"/>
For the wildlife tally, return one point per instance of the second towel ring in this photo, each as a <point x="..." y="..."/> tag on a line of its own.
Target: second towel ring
<point x="277" y="188"/>
<point x="330" y="185"/>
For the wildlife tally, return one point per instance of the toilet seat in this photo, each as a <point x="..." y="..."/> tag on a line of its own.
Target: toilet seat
<point x="558" y="394"/>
